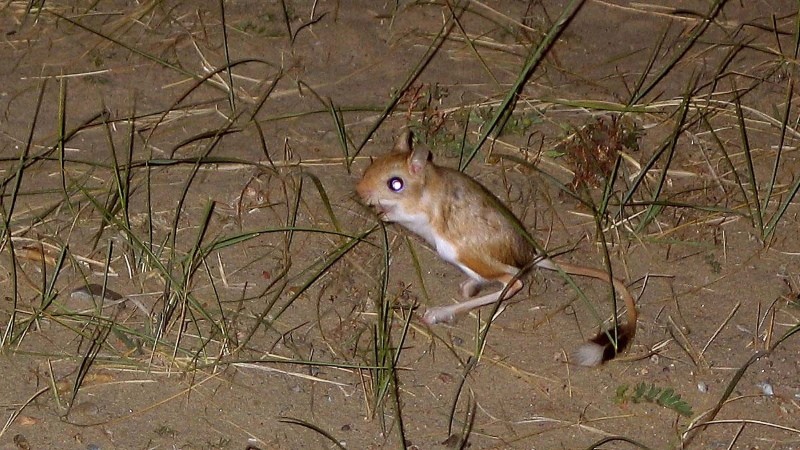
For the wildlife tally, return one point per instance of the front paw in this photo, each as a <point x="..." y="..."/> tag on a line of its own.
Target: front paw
<point x="438" y="315"/>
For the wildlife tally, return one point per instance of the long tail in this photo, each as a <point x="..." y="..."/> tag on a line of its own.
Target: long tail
<point x="607" y="344"/>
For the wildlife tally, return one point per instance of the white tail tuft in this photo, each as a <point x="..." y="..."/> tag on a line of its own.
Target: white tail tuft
<point x="589" y="354"/>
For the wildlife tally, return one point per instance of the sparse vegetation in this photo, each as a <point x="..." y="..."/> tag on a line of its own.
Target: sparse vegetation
<point x="184" y="264"/>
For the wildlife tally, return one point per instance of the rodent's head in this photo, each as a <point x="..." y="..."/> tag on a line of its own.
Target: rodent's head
<point x="393" y="184"/>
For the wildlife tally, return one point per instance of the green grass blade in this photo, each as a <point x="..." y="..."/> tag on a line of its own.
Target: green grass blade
<point x="226" y="49"/>
<point x="692" y="432"/>
<point x="341" y="133"/>
<point x="531" y="64"/>
<point x="8" y="212"/>
<point x="682" y="50"/>
<point x="757" y="215"/>
<point x="432" y="50"/>
<point x="654" y="208"/>
<point x="50" y="292"/>
<point x="608" y="189"/>
<point x="237" y="239"/>
<point x="287" y="20"/>
<point x="650" y="63"/>
<point x="601" y="443"/>
<point x="99" y="335"/>
<point x="29" y="159"/>
<point x="315" y="428"/>
<point x="62" y="128"/>
<point x="323" y="195"/>
<point x="124" y="45"/>
<point x="668" y="147"/>
<point x="381" y="337"/>
<point x="8" y="333"/>
<point x="471" y="44"/>
<point x="770" y="228"/>
<point x="784" y="124"/>
<point x="23" y="164"/>
<point x="718" y="141"/>
<point x="417" y="269"/>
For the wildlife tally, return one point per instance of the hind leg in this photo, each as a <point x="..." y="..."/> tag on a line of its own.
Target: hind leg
<point x="470" y="287"/>
<point x="448" y="313"/>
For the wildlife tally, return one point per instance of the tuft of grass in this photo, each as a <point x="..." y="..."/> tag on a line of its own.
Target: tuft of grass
<point x="646" y="88"/>
<point x="431" y="51"/>
<point x="386" y="350"/>
<point x="506" y="107"/>
<point x="669" y="148"/>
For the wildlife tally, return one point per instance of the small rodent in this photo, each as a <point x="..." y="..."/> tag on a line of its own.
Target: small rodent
<point x="471" y="228"/>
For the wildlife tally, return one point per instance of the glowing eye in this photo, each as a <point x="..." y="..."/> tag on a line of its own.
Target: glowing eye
<point x="396" y="184"/>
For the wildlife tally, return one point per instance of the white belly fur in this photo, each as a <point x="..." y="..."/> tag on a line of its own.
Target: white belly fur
<point x="420" y="225"/>
<point x="448" y="253"/>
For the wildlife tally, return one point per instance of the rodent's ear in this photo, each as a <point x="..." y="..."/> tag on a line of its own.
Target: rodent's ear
<point x="419" y="157"/>
<point x="403" y="142"/>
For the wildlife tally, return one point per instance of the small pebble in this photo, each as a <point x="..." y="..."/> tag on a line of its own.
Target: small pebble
<point x="702" y="387"/>
<point x="85" y="409"/>
<point x="766" y="388"/>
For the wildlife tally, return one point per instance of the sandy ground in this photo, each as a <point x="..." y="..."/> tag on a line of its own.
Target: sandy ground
<point x="254" y="307"/>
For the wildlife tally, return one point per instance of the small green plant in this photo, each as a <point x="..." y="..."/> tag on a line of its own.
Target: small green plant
<point x="518" y="122"/>
<point x="715" y="265"/>
<point x="264" y="25"/>
<point x="651" y="393"/>
<point x="165" y="430"/>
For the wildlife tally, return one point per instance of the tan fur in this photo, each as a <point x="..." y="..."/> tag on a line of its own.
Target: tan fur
<point x="471" y="228"/>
